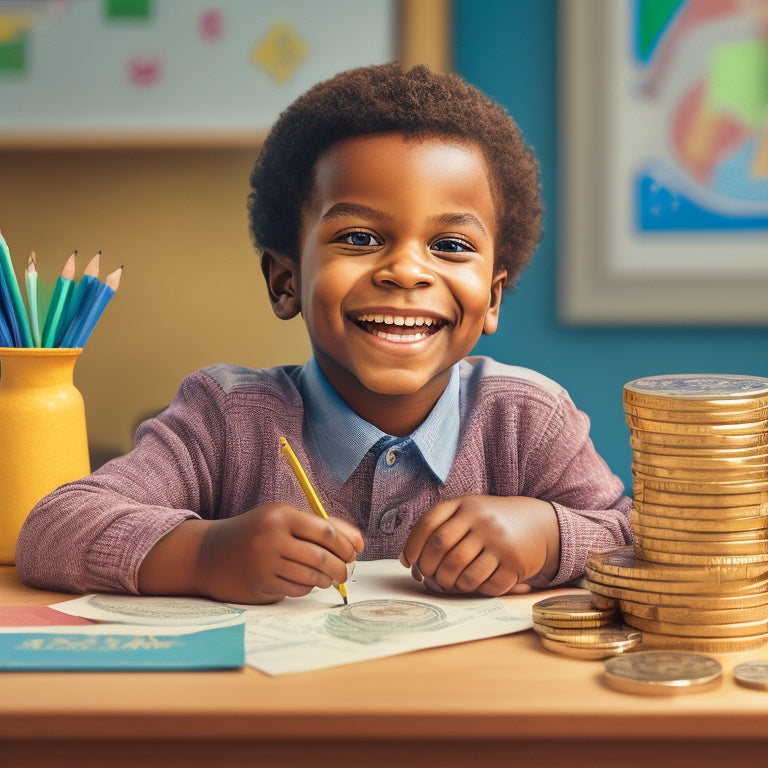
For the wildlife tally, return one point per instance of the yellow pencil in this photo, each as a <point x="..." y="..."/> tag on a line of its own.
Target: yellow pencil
<point x="309" y="492"/>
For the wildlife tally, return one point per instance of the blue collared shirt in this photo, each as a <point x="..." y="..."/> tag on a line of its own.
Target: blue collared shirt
<point x="327" y="417"/>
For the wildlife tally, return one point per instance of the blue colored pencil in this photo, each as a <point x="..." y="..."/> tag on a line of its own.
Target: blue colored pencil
<point x="88" y="282"/>
<point x="6" y="340"/>
<point x="11" y="288"/>
<point x="92" y="307"/>
<point x="7" y="312"/>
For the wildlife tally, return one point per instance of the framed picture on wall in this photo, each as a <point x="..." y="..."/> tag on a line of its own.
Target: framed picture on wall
<point x="664" y="162"/>
<point x="127" y="72"/>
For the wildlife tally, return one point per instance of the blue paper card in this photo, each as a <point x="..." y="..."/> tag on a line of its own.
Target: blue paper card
<point x="121" y="647"/>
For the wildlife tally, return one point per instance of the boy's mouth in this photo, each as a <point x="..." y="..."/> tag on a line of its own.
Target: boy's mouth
<point x="399" y="328"/>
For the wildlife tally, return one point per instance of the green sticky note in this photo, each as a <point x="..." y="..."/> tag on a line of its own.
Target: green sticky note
<point x="128" y="9"/>
<point x="13" y="54"/>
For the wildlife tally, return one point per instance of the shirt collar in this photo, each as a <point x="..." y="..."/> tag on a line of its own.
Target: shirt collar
<point x="327" y="417"/>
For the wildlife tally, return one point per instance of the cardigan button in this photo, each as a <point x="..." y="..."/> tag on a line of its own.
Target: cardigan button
<point x="391" y="520"/>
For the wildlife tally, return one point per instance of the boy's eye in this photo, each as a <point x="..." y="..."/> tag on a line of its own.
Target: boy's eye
<point x="360" y="239"/>
<point x="451" y="246"/>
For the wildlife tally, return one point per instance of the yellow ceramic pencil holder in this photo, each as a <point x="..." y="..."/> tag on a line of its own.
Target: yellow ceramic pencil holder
<point x="43" y="437"/>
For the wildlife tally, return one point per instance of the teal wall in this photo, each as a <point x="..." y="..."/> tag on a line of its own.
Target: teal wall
<point x="508" y="48"/>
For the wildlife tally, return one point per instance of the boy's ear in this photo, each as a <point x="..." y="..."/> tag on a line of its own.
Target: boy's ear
<point x="282" y="276"/>
<point x="498" y="284"/>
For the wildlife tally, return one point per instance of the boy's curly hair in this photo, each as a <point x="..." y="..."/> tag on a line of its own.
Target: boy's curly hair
<point x="383" y="99"/>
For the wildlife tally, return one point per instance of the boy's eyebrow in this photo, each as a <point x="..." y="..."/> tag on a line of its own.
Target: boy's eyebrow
<point x="358" y="210"/>
<point x="353" y="209"/>
<point x="461" y="219"/>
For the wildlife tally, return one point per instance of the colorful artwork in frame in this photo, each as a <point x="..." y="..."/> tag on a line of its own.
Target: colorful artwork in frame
<point x="665" y="162"/>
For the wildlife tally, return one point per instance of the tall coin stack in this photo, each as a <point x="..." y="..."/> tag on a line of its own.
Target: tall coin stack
<point x="697" y="578"/>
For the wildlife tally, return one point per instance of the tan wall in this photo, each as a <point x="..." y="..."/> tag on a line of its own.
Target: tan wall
<point x="191" y="291"/>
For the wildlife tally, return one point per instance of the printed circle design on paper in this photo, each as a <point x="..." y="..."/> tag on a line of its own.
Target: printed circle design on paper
<point x="369" y="620"/>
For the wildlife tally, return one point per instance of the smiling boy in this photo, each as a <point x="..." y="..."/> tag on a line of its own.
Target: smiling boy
<point x="391" y="211"/>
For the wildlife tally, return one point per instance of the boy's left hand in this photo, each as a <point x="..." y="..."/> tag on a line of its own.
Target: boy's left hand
<point x="483" y="544"/>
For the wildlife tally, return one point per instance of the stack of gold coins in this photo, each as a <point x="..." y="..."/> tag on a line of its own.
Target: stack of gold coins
<point x="574" y="626"/>
<point x="700" y="518"/>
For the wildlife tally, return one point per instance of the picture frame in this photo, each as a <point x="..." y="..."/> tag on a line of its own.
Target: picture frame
<point x="97" y="73"/>
<point x="656" y="226"/>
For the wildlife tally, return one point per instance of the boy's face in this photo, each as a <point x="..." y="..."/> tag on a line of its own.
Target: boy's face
<point x="396" y="280"/>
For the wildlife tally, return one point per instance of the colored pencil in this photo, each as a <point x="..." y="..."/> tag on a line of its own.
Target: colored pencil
<point x="88" y="282"/>
<point x="6" y="338"/>
<point x="309" y="492"/>
<point x="11" y="287"/>
<point x="8" y="313"/>
<point x="34" y="318"/>
<point x="58" y="306"/>
<point x="93" y="306"/>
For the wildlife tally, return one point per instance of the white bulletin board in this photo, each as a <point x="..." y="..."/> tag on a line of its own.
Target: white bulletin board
<point x="143" y="70"/>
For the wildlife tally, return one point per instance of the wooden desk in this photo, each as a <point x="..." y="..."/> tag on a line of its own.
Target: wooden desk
<point x="503" y="701"/>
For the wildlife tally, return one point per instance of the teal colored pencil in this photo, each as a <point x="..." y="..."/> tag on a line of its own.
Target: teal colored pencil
<point x="58" y="305"/>
<point x="34" y="318"/>
<point x="6" y="265"/>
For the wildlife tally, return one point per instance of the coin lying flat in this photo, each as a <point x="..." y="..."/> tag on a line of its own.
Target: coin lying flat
<point x="704" y="525"/>
<point x="752" y="674"/>
<point x="735" y="629"/>
<point x="662" y="672"/>
<point x="705" y="601"/>
<point x="624" y="564"/>
<point x="685" y="614"/>
<point x="587" y="652"/>
<point x="572" y="611"/>
<point x="707" y="391"/>
<point x="686" y="558"/>
<point x="656" y="641"/>
<point x="594" y="643"/>
<point x="642" y="527"/>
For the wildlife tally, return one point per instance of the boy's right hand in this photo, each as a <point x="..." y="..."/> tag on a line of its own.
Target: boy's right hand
<point x="268" y="553"/>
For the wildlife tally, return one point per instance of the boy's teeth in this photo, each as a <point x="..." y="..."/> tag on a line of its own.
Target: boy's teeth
<point x="396" y="320"/>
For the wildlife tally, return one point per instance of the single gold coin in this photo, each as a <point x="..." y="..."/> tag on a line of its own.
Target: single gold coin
<point x="696" y="389"/>
<point x="700" y="461"/>
<point x="572" y="611"/>
<point x="682" y="415"/>
<point x="732" y="588"/>
<point x="752" y="674"/>
<point x="703" y="534"/>
<point x="614" y="636"/>
<point x="717" y="543"/>
<point x="654" y="641"/>
<point x="644" y="492"/>
<point x="624" y="563"/>
<point x="701" y="487"/>
<point x="680" y="512"/>
<point x="588" y="652"/>
<point x="696" y="450"/>
<point x="735" y="629"/>
<point x="649" y="439"/>
<point x="662" y="673"/>
<point x="750" y="428"/>
<point x="744" y="525"/>
<point x="684" y="614"/>
<point x="684" y="474"/>
<point x="705" y="600"/>
<point x="667" y="557"/>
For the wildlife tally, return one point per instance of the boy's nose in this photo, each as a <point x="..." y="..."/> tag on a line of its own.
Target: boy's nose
<point x="406" y="266"/>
